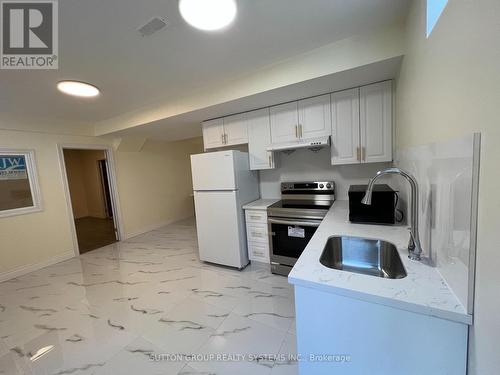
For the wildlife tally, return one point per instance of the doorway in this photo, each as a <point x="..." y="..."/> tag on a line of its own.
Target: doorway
<point x="88" y="183"/>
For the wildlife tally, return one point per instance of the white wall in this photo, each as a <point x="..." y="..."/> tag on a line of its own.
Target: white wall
<point x="154" y="185"/>
<point x="449" y="86"/>
<point x="305" y="165"/>
<point x="444" y="171"/>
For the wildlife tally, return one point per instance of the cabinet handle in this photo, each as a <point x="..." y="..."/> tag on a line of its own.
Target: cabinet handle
<point x="358" y="153"/>
<point x="255" y="217"/>
<point x="270" y="161"/>
<point x="363" y="153"/>
<point x="300" y="130"/>
<point x="222" y="138"/>
<point x="225" y="138"/>
<point x="257" y="234"/>
<point x="296" y="131"/>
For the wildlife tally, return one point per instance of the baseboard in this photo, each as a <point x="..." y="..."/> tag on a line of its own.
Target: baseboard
<point x="23" y="270"/>
<point x="154" y="227"/>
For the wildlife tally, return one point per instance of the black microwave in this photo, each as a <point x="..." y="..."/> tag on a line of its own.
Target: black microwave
<point x="382" y="209"/>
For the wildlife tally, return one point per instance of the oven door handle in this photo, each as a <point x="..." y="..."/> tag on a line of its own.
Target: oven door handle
<point x="303" y="223"/>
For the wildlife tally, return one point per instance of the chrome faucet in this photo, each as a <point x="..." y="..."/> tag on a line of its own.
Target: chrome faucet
<point x="414" y="247"/>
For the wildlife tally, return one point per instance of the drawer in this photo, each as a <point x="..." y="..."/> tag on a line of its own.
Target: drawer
<point x="258" y="251"/>
<point x="255" y="216"/>
<point x="257" y="233"/>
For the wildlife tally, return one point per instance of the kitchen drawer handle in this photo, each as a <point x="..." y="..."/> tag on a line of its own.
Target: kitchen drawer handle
<point x="257" y="234"/>
<point x="255" y="217"/>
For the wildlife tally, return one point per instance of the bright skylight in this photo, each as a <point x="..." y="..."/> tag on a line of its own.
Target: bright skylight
<point x="434" y="10"/>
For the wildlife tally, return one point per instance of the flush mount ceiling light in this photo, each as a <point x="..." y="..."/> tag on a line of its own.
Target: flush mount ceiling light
<point x="208" y="15"/>
<point x="77" y="88"/>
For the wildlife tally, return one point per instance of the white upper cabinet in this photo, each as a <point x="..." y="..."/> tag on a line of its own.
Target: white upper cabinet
<point x="235" y="129"/>
<point x="362" y="124"/>
<point x="376" y="122"/>
<point x="359" y="121"/>
<point x="213" y="133"/>
<point x="314" y="117"/>
<point x="284" y="123"/>
<point x="259" y="139"/>
<point x="345" y="127"/>
<point x="227" y="131"/>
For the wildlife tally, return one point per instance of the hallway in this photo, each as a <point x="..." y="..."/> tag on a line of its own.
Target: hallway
<point x="94" y="232"/>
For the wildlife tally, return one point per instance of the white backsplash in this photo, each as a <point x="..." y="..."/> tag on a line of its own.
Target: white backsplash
<point x="444" y="171"/>
<point x="305" y="165"/>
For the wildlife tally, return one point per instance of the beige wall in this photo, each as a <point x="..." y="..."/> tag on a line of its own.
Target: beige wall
<point x="147" y="198"/>
<point x="84" y="180"/>
<point x="155" y="184"/>
<point x="75" y="183"/>
<point x="449" y="85"/>
<point x="39" y="237"/>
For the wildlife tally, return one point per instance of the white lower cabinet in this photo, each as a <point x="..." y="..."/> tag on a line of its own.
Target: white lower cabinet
<point x="257" y="235"/>
<point x="371" y="338"/>
<point x="258" y="252"/>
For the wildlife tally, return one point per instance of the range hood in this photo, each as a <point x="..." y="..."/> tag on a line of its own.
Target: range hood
<point x="312" y="143"/>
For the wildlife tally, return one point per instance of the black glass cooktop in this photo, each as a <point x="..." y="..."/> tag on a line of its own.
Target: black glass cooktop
<point x="302" y="204"/>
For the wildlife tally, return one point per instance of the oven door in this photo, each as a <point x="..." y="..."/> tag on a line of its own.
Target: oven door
<point x="289" y="237"/>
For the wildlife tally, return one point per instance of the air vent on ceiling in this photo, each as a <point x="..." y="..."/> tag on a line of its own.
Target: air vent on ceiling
<point x="154" y="25"/>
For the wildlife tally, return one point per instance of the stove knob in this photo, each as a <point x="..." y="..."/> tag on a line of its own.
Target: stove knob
<point x="328" y="186"/>
<point x="321" y="186"/>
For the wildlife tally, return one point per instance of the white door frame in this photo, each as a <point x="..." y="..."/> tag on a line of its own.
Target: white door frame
<point x="115" y="202"/>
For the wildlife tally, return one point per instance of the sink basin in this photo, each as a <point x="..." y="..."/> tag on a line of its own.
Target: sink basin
<point x="362" y="255"/>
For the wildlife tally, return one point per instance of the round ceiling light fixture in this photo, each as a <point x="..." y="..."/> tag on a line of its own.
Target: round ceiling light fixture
<point x="208" y="15"/>
<point x="77" y="88"/>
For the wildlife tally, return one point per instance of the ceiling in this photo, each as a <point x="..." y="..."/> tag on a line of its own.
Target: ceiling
<point x="187" y="124"/>
<point x="100" y="44"/>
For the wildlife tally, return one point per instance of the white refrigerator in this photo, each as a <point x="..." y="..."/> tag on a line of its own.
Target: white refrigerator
<point x="222" y="184"/>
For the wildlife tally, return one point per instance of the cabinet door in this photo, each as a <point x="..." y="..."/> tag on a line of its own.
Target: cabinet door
<point x="213" y="133"/>
<point x="235" y="129"/>
<point x="259" y="139"/>
<point x="258" y="251"/>
<point x="345" y="127"/>
<point x="284" y="123"/>
<point x="376" y="122"/>
<point x="315" y="117"/>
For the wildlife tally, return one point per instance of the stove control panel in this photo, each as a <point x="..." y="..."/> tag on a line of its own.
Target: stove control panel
<point x="308" y="187"/>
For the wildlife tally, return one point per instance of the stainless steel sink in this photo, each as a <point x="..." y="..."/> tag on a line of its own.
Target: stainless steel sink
<point x="362" y="255"/>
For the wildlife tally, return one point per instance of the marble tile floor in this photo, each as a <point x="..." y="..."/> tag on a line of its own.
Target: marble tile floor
<point x="147" y="306"/>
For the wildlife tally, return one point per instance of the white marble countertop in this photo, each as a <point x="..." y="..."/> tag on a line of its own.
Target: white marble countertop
<point x="422" y="291"/>
<point x="259" y="204"/>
